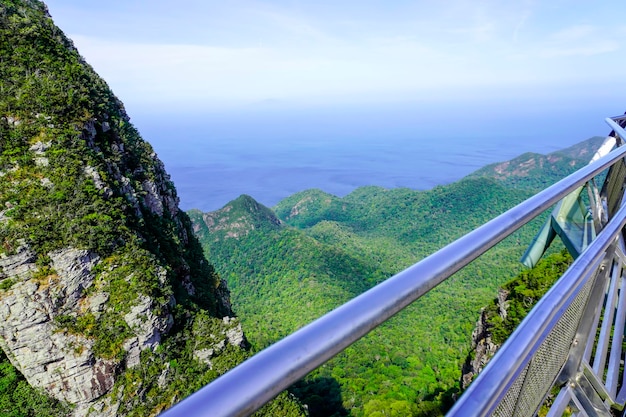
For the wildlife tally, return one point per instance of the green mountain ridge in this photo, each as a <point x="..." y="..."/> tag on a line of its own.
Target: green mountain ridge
<point x="532" y="170"/>
<point x="328" y="249"/>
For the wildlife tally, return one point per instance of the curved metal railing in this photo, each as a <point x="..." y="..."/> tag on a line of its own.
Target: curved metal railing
<point x="544" y="339"/>
<point x="256" y="381"/>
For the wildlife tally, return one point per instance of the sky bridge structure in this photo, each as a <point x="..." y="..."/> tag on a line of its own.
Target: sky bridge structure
<point x="567" y="355"/>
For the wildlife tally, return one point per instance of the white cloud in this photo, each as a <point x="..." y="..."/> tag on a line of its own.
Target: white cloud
<point x="580" y="41"/>
<point x="587" y="49"/>
<point x="524" y="16"/>
<point x="573" y="34"/>
<point x="165" y="72"/>
<point x="289" y="54"/>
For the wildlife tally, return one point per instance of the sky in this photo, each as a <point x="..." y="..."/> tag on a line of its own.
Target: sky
<point x="220" y="55"/>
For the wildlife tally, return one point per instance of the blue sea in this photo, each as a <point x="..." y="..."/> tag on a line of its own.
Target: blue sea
<point x="270" y="154"/>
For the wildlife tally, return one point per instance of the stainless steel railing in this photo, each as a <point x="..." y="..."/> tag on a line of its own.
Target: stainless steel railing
<point x="250" y="385"/>
<point x="534" y="355"/>
<point x="565" y="340"/>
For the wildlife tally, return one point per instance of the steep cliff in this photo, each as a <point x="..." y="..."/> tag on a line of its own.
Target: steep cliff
<point x="106" y="300"/>
<point x="482" y="346"/>
<point x="514" y="301"/>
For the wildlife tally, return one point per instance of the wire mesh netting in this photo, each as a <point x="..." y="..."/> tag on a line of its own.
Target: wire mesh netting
<point x="531" y="386"/>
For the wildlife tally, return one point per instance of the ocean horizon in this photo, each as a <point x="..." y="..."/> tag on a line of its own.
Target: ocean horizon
<point x="215" y="158"/>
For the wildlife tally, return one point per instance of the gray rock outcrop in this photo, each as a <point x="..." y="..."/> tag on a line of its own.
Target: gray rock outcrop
<point x="147" y="328"/>
<point x="215" y="342"/>
<point x="483" y="350"/>
<point x="60" y="362"/>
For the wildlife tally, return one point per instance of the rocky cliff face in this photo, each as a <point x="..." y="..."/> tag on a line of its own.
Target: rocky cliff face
<point x="482" y="351"/>
<point x="514" y="300"/>
<point x="101" y="278"/>
<point x="62" y="363"/>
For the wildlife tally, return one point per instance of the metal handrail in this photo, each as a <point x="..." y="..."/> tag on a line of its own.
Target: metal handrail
<point x="485" y="393"/>
<point x="250" y="385"/>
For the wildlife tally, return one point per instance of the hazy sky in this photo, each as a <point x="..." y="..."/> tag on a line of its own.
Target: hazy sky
<point x="220" y="54"/>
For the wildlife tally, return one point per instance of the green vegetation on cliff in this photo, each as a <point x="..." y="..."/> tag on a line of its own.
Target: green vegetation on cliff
<point x="18" y="399"/>
<point x="522" y="293"/>
<point x="505" y="312"/>
<point x="93" y="245"/>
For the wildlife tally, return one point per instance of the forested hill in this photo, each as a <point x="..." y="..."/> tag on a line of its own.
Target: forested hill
<point x="107" y="304"/>
<point x="288" y="265"/>
<point x="536" y="171"/>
